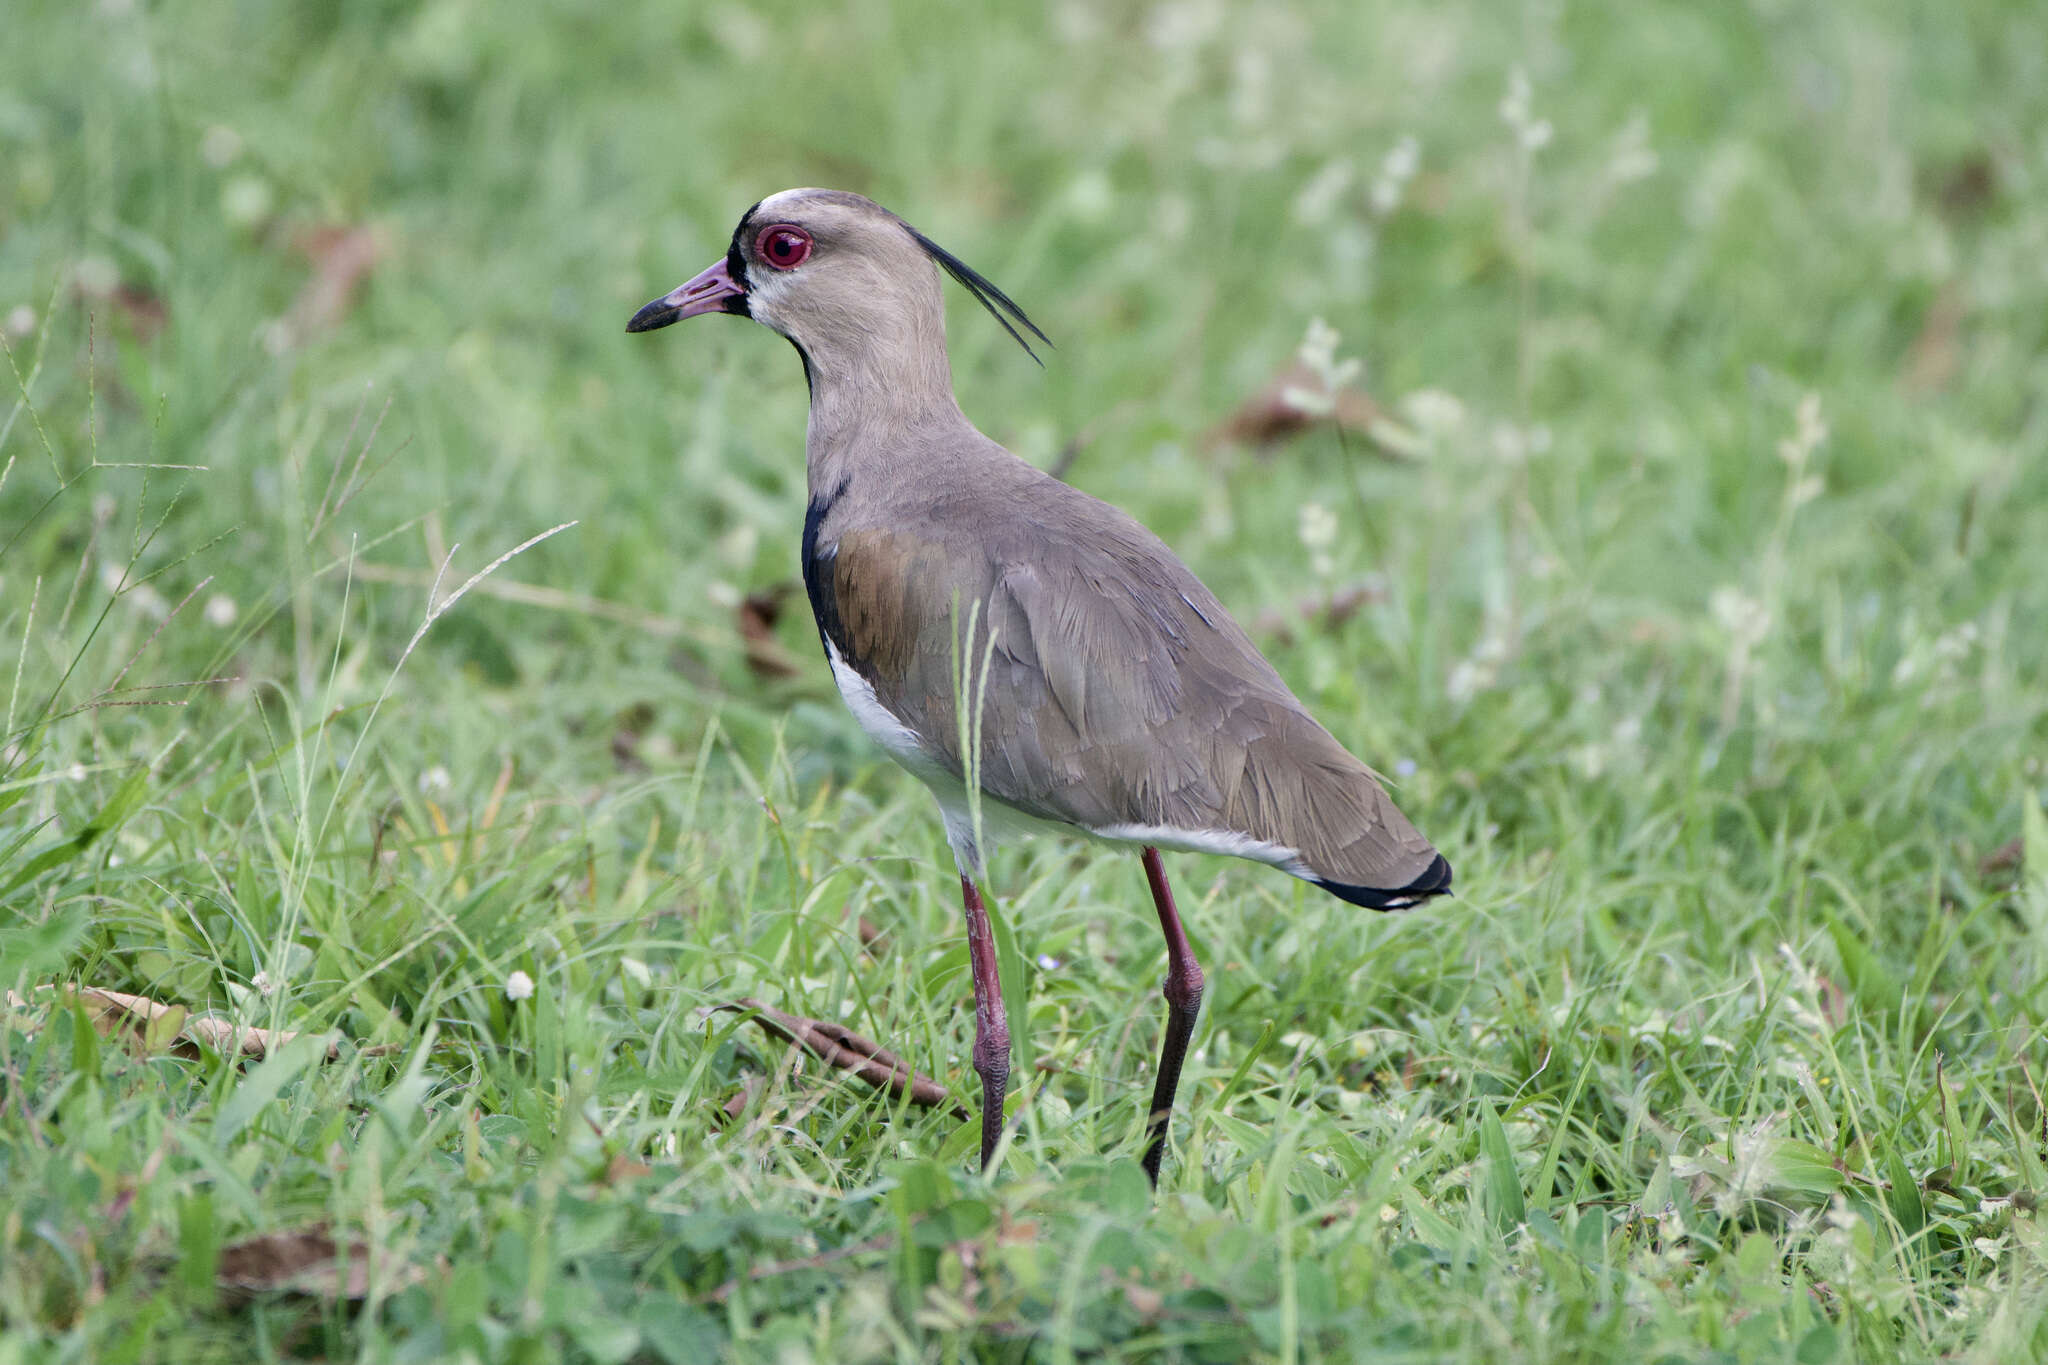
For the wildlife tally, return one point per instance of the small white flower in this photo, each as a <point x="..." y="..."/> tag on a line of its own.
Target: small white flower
<point x="1318" y="526"/>
<point x="1631" y="157"/>
<point x="246" y="202"/>
<point x="21" y="320"/>
<point x="1518" y="112"/>
<point x="220" y="145"/>
<point x="435" y="780"/>
<point x="1809" y="430"/>
<point x="1318" y="199"/>
<point x="1514" y="106"/>
<point x="1091" y="197"/>
<point x="518" y="986"/>
<point x="1437" y="413"/>
<point x="1308" y="402"/>
<point x="1318" y="534"/>
<point x="262" y="983"/>
<point x="221" y="610"/>
<point x="1744" y="618"/>
<point x="95" y="276"/>
<point x="1395" y="173"/>
<point x="1318" y="349"/>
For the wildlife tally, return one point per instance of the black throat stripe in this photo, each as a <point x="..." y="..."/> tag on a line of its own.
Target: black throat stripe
<point x="736" y="263"/>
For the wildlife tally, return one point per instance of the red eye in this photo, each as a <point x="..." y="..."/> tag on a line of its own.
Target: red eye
<point x="784" y="246"/>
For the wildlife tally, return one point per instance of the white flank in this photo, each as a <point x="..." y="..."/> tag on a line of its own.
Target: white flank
<point x="1227" y="842"/>
<point x="877" y="720"/>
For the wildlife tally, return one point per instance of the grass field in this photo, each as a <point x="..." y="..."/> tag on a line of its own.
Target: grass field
<point x="1703" y="624"/>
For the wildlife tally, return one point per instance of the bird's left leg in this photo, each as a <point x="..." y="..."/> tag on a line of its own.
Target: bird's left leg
<point x="1183" y="992"/>
<point x="991" y="1024"/>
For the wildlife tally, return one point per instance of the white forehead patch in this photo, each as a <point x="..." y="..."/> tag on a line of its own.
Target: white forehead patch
<point x="777" y="205"/>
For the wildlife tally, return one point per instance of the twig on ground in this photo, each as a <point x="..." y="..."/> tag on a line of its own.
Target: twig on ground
<point x="841" y="1048"/>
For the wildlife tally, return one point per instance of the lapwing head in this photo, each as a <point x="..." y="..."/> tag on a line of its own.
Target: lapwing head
<point x="826" y="268"/>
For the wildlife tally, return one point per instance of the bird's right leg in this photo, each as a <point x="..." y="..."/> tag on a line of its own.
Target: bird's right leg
<point x="1183" y="992"/>
<point x="991" y="1024"/>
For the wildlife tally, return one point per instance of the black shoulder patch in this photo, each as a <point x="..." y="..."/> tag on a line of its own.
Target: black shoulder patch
<point x="817" y="567"/>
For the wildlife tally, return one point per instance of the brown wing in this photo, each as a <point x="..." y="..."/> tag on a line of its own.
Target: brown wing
<point x="1119" y="693"/>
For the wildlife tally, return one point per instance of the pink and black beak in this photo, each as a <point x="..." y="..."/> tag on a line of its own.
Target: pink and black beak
<point x="721" y="289"/>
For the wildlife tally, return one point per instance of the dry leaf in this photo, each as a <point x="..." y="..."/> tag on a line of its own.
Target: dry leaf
<point x="622" y="1168"/>
<point x="845" y="1050"/>
<point x="1147" y="1302"/>
<point x="1936" y="353"/>
<point x="2007" y="857"/>
<point x="1968" y="187"/>
<point x="160" y="1027"/>
<point x="1834" y="1001"/>
<point x="626" y="739"/>
<point x="737" y="1103"/>
<point x="1325" y="611"/>
<point x="1268" y="417"/>
<point x="756" y="616"/>
<point x="304" y="1261"/>
<point x="342" y="258"/>
<point x="139" y="310"/>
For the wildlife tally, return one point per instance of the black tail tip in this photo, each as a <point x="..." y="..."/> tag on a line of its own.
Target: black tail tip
<point x="1434" y="881"/>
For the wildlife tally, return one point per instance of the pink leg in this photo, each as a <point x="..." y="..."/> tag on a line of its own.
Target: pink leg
<point x="1183" y="1003"/>
<point x="991" y="1025"/>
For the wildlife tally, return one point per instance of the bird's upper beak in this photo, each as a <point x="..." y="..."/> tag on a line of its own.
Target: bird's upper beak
<point x="714" y="291"/>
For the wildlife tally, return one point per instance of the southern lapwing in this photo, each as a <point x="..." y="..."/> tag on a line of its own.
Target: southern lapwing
<point x="970" y="604"/>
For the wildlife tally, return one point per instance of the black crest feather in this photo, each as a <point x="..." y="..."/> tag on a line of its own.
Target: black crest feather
<point x="995" y="300"/>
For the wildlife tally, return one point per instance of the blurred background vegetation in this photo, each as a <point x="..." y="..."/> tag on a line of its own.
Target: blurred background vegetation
<point x="1680" y="553"/>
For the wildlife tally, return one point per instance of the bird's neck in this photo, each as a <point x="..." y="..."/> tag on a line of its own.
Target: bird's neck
<point x="876" y="405"/>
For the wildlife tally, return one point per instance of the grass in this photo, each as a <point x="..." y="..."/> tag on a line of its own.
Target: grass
<point x="1721" y="698"/>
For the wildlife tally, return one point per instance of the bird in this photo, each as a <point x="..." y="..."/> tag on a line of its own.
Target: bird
<point x="1035" y="656"/>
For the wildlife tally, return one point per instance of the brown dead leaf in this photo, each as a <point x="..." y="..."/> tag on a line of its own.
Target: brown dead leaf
<point x="342" y="258"/>
<point x="2007" y="857"/>
<point x="1268" y="418"/>
<point x="135" y="309"/>
<point x="304" y="1261"/>
<point x="736" y="1104"/>
<point x="160" y="1027"/>
<point x="841" y="1048"/>
<point x="1931" y="361"/>
<point x="1325" y="611"/>
<point x="756" y="616"/>
<point x="1147" y="1302"/>
<point x="1833" y="1000"/>
<point x="632" y="726"/>
<point x="1967" y="187"/>
<point x="622" y="1168"/>
<point x="142" y="309"/>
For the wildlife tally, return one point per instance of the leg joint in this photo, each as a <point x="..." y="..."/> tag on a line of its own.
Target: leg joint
<point x="992" y="1047"/>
